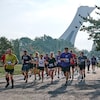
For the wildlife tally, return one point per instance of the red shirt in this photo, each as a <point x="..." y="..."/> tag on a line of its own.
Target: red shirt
<point x="3" y="57"/>
<point x="73" y="59"/>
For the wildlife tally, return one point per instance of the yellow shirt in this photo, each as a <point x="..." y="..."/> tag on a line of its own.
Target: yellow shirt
<point x="10" y="59"/>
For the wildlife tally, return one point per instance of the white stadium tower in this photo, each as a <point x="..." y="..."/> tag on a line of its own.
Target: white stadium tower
<point x="71" y="32"/>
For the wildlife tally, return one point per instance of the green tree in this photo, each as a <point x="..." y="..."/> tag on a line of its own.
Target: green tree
<point x="15" y="44"/>
<point x="4" y="45"/>
<point x="93" y="28"/>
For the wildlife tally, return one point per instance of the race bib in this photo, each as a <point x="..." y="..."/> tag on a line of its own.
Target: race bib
<point x="67" y="60"/>
<point x="9" y="62"/>
<point x="51" y="65"/>
<point x="82" y="60"/>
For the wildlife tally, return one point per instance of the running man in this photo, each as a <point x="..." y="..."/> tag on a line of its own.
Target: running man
<point x="82" y="63"/>
<point x="65" y="63"/>
<point x="88" y="65"/>
<point x="25" y="65"/>
<point x="9" y="63"/>
<point x="93" y="62"/>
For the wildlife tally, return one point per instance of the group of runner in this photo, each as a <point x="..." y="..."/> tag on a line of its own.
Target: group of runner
<point x="66" y="62"/>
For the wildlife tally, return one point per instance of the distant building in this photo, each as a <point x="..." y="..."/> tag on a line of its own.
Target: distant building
<point x="71" y="32"/>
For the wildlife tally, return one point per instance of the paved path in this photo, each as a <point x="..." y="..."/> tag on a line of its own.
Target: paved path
<point x="86" y="90"/>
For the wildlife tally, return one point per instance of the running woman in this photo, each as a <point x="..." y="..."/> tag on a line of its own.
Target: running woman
<point x="82" y="62"/>
<point x="46" y="64"/>
<point x="25" y="65"/>
<point x="65" y="63"/>
<point x="58" y="61"/>
<point x="41" y="66"/>
<point x="36" y="59"/>
<point x="51" y="67"/>
<point x="9" y="63"/>
<point x="31" y="64"/>
<point x="72" y="64"/>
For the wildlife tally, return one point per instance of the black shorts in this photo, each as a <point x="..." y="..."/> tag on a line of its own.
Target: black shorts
<point x="41" y="68"/>
<point x="10" y="71"/>
<point x="73" y="66"/>
<point x="93" y="63"/>
<point x="46" y="65"/>
<point x="58" y="65"/>
<point x="51" y="67"/>
<point x="82" y="67"/>
<point x="66" y="69"/>
<point x="31" y="66"/>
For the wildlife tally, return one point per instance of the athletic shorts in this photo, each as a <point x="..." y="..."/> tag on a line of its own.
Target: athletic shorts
<point x="46" y="65"/>
<point x="10" y="71"/>
<point x="31" y="66"/>
<point x="66" y="69"/>
<point x="93" y="63"/>
<point x="41" y="68"/>
<point x="58" y="65"/>
<point x="73" y="66"/>
<point x="82" y="67"/>
<point x="26" y="67"/>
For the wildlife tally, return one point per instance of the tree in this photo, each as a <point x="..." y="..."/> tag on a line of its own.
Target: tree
<point x="4" y="45"/>
<point x="15" y="44"/>
<point x="93" y="28"/>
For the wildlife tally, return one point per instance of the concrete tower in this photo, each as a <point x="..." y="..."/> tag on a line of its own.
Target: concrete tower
<point x="71" y="32"/>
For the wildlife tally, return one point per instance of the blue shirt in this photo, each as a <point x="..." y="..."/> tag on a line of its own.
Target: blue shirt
<point x="67" y="57"/>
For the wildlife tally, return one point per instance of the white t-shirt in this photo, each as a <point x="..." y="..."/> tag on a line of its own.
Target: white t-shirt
<point x="41" y="62"/>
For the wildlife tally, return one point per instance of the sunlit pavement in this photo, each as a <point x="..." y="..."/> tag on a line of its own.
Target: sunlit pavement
<point x="88" y="89"/>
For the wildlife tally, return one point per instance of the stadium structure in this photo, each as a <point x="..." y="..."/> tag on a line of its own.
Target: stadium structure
<point x="72" y="30"/>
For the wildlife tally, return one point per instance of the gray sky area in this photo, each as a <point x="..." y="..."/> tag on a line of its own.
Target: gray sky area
<point x="34" y="18"/>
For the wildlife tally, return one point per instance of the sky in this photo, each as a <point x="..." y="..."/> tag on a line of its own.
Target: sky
<point x="34" y="18"/>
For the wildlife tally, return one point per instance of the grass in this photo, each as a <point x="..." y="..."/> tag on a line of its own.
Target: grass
<point x="17" y="70"/>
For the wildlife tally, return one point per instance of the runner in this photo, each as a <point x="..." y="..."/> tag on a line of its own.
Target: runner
<point x="3" y="57"/>
<point x="82" y="62"/>
<point x="9" y="63"/>
<point x="41" y="66"/>
<point x="88" y="65"/>
<point x="31" y="64"/>
<point x="51" y="66"/>
<point x="93" y="62"/>
<point x="58" y="61"/>
<point x="46" y="64"/>
<point x="25" y="65"/>
<point x="65" y="63"/>
<point x="72" y="63"/>
<point x="36" y="59"/>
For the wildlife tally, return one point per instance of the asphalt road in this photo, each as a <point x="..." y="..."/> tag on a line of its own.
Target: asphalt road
<point x="89" y="89"/>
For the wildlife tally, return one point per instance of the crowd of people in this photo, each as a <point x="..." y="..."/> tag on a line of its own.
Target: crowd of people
<point x="66" y="63"/>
